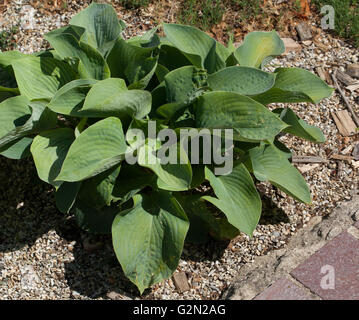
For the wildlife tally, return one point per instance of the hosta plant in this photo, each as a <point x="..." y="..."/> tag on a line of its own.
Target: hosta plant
<point x="70" y="109"/>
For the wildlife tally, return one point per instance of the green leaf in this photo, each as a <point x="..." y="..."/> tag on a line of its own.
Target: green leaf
<point x="197" y="46"/>
<point x="8" y="57"/>
<point x="243" y="80"/>
<point x="185" y="84"/>
<point x="203" y="223"/>
<point x="299" y="127"/>
<point x="101" y="24"/>
<point x="49" y="150"/>
<point x="148" y="239"/>
<point x="69" y="99"/>
<point x="97" y="191"/>
<point x="135" y="64"/>
<point x="237" y="198"/>
<point x="21" y="117"/>
<point x="66" y="195"/>
<point x="172" y="177"/>
<point x="111" y="97"/>
<point x="95" y="220"/>
<point x="92" y="64"/>
<point x="270" y="164"/>
<point x="295" y="85"/>
<point x="17" y="150"/>
<point x="131" y="180"/>
<point x="172" y="58"/>
<point x="248" y="118"/>
<point x="259" y="48"/>
<point x="97" y="149"/>
<point x="40" y="78"/>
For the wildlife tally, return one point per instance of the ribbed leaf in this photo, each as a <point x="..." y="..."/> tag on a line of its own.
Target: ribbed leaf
<point x="19" y="149"/>
<point x="250" y="119"/>
<point x="270" y="164"/>
<point x="98" y="148"/>
<point x="148" y="239"/>
<point x="69" y="99"/>
<point x="237" y="198"/>
<point x="95" y="220"/>
<point x="203" y="223"/>
<point x="299" y="127"/>
<point x="92" y="65"/>
<point x="101" y="24"/>
<point x="258" y="48"/>
<point x="97" y="191"/>
<point x="185" y="84"/>
<point x="295" y="85"/>
<point x="135" y="64"/>
<point x="243" y="80"/>
<point x="197" y="46"/>
<point x="173" y="177"/>
<point x="111" y="97"/>
<point x="49" y="150"/>
<point x="66" y="195"/>
<point x="21" y="117"/>
<point x="40" y="78"/>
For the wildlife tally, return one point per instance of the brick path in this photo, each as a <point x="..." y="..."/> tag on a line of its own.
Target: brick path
<point x="332" y="273"/>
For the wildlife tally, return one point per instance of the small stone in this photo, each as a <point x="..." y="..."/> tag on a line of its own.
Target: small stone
<point x="353" y="70"/>
<point x="304" y="31"/>
<point x="291" y="45"/>
<point x="181" y="282"/>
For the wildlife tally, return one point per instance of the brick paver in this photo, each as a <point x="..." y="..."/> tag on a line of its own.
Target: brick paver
<point x="333" y="271"/>
<point x="283" y="289"/>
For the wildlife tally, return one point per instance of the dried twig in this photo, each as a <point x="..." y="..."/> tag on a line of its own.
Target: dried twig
<point x="355" y="118"/>
<point x="308" y="159"/>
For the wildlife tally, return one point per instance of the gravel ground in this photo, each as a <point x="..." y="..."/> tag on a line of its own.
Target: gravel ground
<point x="43" y="255"/>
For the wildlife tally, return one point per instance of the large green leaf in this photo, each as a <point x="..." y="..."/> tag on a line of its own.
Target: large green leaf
<point x="295" y="85"/>
<point x="21" y="117"/>
<point x="135" y="64"/>
<point x="95" y="220"/>
<point x="111" y="97"/>
<point x="270" y="164"/>
<point x="243" y="80"/>
<point x="250" y="119"/>
<point x="258" y="48"/>
<point x="185" y="84"/>
<point x="66" y="195"/>
<point x="197" y="46"/>
<point x="97" y="149"/>
<point x="173" y="177"/>
<point x="131" y="180"/>
<point x="92" y="64"/>
<point x="69" y="99"/>
<point x="40" y="78"/>
<point x="8" y="57"/>
<point x="148" y="239"/>
<point x="203" y="223"/>
<point x="49" y="150"/>
<point x="97" y="191"/>
<point x="237" y="198"/>
<point x="101" y="24"/>
<point x="299" y="127"/>
<point x="19" y="149"/>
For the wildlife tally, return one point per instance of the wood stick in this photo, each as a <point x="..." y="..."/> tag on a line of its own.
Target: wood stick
<point x="308" y="159"/>
<point x="355" y="118"/>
